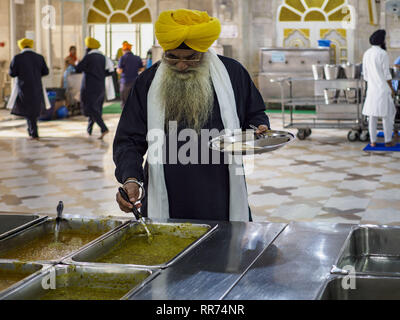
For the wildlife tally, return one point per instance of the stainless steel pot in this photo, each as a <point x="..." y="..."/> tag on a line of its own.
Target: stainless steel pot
<point x="350" y="70"/>
<point x="318" y="71"/>
<point x="331" y="95"/>
<point x="351" y="95"/>
<point x="331" y="71"/>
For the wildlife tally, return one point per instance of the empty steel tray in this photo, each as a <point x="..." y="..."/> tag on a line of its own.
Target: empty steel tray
<point x="37" y="243"/>
<point x="119" y="240"/>
<point x="62" y="282"/>
<point x="366" y="288"/>
<point x="12" y="223"/>
<point x="370" y="250"/>
<point x="14" y="273"/>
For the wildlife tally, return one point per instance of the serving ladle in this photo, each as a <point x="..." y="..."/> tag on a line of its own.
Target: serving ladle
<point x="60" y="208"/>
<point x="136" y="212"/>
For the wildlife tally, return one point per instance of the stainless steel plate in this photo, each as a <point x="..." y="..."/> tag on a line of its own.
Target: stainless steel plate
<point x="12" y="223"/>
<point x="14" y="246"/>
<point x="75" y="282"/>
<point x="90" y="254"/>
<point x="247" y="142"/>
<point x="371" y="250"/>
<point x="366" y="288"/>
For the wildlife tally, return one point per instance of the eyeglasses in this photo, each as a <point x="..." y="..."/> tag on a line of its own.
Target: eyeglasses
<point x="173" y="61"/>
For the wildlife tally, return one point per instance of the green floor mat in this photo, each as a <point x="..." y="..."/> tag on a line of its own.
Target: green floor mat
<point x="112" y="109"/>
<point x="295" y="112"/>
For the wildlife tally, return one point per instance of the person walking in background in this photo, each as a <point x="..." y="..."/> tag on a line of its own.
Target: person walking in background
<point x="149" y="58"/>
<point x="379" y="101"/>
<point x="69" y="69"/>
<point x="129" y="67"/>
<point x="72" y="56"/>
<point x="28" y="97"/>
<point x="120" y="51"/>
<point x="95" y="67"/>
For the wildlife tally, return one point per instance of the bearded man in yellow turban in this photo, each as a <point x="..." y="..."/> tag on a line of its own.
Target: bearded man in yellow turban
<point x="95" y="67"/>
<point x="192" y="94"/>
<point x="28" y="98"/>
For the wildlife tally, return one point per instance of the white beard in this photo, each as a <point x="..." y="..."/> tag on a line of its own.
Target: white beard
<point x="188" y="97"/>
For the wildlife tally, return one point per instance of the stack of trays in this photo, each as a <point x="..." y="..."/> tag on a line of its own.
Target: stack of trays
<point x="93" y="259"/>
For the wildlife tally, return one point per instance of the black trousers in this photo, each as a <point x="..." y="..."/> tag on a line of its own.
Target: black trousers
<point x="32" y="127"/>
<point x="125" y="89"/>
<point x="96" y="117"/>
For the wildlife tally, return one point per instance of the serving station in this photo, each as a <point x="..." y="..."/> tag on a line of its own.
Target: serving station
<point x="216" y="261"/>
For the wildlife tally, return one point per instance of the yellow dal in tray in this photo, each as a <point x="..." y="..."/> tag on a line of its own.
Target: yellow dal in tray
<point x="168" y="241"/>
<point x="45" y="247"/>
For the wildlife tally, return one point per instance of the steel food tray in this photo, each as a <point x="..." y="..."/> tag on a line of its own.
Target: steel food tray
<point x="82" y="277"/>
<point x="366" y="288"/>
<point x="248" y="143"/>
<point x="89" y="255"/>
<point x="370" y="250"/>
<point x="81" y="225"/>
<point x="11" y="223"/>
<point x="23" y="271"/>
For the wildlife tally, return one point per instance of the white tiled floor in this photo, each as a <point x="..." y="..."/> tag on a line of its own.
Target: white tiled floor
<point x="324" y="178"/>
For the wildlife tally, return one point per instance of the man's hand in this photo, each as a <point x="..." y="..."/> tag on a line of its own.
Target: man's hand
<point x="261" y="129"/>
<point x="133" y="191"/>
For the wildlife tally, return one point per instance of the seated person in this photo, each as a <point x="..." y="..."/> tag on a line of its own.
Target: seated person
<point x="69" y="69"/>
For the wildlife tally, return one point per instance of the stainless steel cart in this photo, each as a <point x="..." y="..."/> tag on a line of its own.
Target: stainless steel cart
<point x="341" y="114"/>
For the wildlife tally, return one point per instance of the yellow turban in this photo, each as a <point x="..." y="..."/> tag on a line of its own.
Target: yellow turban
<point x="196" y="28"/>
<point x="23" y="43"/>
<point x="92" y="43"/>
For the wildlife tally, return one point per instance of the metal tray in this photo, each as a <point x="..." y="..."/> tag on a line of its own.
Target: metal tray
<point x="87" y="277"/>
<point x="366" y="288"/>
<point x="11" y="223"/>
<point x="88" y="255"/>
<point x="25" y="272"/>
<point x="47" y="227"/>
<point x="250" y="144"/>
<point x="370" y="250"/>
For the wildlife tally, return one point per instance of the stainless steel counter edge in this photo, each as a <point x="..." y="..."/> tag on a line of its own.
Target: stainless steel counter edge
<point x="209" y="270"/>
<point x="295" y="266"/>
<point x="39" y="219"/>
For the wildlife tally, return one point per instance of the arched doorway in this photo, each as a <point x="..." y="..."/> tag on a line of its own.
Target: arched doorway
<point x="114" y="21"/>
<point x="301" y="23"/>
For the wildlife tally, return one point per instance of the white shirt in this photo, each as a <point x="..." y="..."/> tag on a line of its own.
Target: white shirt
<point x="376" y="70"/>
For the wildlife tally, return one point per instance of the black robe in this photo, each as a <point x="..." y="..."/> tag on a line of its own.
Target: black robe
<point x="195" y="191"/>
<point x="94" y="71"/>
<point x="29" y="67"/>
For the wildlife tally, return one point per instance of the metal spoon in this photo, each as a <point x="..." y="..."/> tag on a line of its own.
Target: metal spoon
<point x="60" y="208"/>
<point x="135" y="212"/>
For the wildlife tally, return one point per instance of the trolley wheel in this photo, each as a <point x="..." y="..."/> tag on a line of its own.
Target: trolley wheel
<point x="364" y="136"/>
<point x="353" y="135"/>
<point x="308" y="132"/>
<point x="301" y="134"/>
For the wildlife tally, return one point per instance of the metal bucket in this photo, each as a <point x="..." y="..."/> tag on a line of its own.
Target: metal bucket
<point x="318" y="71"/>
<point x="331" y="71"/>
<point x="351" y="95"/>
<point x="331" y="95"/>
<point x="350" y="70"/>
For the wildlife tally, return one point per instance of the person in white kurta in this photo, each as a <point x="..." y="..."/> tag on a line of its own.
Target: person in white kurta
<point x="379" y="101"/>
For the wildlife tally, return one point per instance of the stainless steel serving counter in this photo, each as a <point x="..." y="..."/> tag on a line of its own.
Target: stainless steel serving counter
<point x="213" y="268"/>
<point x="257" y="261"/>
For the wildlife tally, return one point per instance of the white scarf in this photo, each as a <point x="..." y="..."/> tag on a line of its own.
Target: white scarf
<point x="158" y="206"/>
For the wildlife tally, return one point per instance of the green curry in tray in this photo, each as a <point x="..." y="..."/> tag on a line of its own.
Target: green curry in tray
<point x="46" y="248"/>
<point x="167" y="242"/>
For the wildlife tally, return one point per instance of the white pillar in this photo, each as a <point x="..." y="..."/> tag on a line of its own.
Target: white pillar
<point x="84" y="24"/>
<point x="62" y="30"/>
<point x="49" y="47"/>
<point x="13" y="40"/>
<point x="38" y="26"/>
